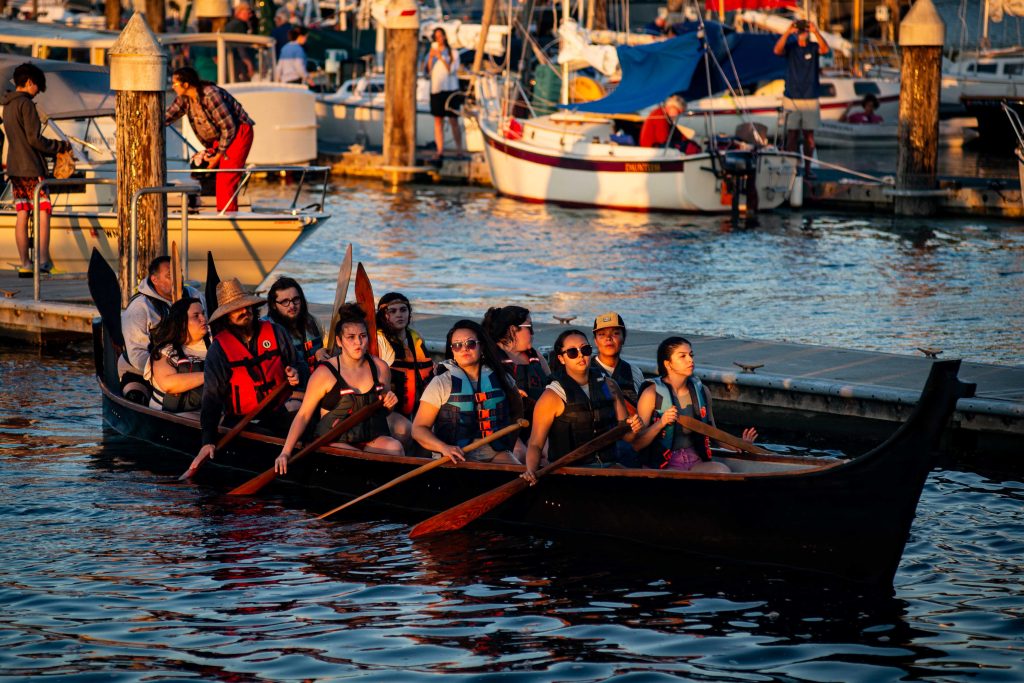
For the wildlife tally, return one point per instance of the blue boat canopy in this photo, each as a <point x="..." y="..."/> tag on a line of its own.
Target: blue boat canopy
<point x="651" y="73"/>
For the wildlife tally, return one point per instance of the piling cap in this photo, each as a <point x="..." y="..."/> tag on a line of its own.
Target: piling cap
<point x="213" y="9"/>
<point x="137" y="60"/>
<point x="922" y="27"/>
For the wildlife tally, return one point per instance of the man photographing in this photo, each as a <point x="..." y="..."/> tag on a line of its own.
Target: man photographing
<point x="800" y="99"/>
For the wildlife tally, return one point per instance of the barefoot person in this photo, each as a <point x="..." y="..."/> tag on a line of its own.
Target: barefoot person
<point x="678" y="392"/>
<point x="577" y="406"/>
<point x="471" y="397"/>
<point x="344" y="385"/>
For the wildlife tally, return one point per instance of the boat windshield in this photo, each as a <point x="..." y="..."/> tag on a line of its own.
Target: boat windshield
<point x="243" y="62"/>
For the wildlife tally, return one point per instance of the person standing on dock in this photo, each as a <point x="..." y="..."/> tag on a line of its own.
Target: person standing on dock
<point x="26" y="166"/>
<point x="145" y="310"/>
<point x="249" y="359"/>
<point x="800" y="98"/>
<point x="441" y="66"/>
<point x="291" y="65"/>
<point x="220" y="123"/>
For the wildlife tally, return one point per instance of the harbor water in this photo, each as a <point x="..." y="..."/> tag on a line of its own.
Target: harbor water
<point x="114" y="570"/>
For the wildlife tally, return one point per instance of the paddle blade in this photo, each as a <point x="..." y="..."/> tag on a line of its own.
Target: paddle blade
<point x="340" y="292"/>
<point x="106" y="294"/>
<point x="254" y="485"/>
<point x="212" y="280"/>
<point x="364" y="297"/>
<point x="462" y="514"/>
<point x="695" y="425"/>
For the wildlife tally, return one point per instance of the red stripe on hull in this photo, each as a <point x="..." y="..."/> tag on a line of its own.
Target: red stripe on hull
<point x="587" y="165"/>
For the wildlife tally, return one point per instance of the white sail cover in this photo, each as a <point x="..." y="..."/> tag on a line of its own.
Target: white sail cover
<point x="575" y="48"/>
<point x="998" y="8"/>
<point x="777" y="23"/>
<point x="465" y="36"/>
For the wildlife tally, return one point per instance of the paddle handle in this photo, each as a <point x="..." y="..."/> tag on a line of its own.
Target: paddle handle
<point x="521" y="424"/>
<point x="717" y="434"/>
<point x="255" y="484"/>
<point x="242" y="424"/>
<point x="464" y="513"/>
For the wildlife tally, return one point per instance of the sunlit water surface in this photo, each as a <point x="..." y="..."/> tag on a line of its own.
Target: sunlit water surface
<point x="123" y="573"/>
<point x="848" y="280"/>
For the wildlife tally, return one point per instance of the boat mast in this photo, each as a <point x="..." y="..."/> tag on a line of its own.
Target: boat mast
<point x="563" y="96"/>
<point x="984" y="29"/>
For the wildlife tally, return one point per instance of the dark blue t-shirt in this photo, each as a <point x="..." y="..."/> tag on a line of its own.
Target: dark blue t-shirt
<point x="801" y="70"/>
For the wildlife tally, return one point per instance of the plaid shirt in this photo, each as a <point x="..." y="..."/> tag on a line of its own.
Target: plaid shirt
<point x="215" y="116"/>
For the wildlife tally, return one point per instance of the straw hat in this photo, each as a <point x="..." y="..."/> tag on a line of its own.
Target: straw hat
<point x="231" y="297"/>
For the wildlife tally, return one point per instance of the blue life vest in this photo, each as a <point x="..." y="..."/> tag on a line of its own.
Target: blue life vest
<point x="473" y="412"/>
<point x="698" y="408"/>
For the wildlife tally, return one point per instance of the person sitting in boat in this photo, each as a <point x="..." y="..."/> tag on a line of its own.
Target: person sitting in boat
<point x="402" y="348"/>
<point x="343" y="385"/>
<point x="661" y="129"/>
<point x="609" y="337"/>
<point x="577" y="406"/>
<point x="512" y="329"/>
<point x="248" y="360"/>
<point x="677" y="392"/>
<point x="471" y="397"/>
<point x="869" y="105"/>
<point x="288" y="308"/>
<point x="179" y="348"/>
<point x="144" y="312"/>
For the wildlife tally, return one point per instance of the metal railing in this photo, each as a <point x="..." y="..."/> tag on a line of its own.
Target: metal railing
<point x="248" y="172"/>
<point x="43" y="185"/>
<point x="185" y="189"/>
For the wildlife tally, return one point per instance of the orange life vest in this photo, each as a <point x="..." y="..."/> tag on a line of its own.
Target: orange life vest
<point x="253" y="377"/>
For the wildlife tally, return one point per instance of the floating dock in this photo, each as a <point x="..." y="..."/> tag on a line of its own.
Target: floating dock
<point x="798" y="389"/>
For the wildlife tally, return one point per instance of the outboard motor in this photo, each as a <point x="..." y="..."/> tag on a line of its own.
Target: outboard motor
<point x="739" y="168"/>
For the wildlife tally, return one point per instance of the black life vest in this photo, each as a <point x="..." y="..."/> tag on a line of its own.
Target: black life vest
<point x="530" y="377"/>
<point x="342" y="400"/>
<point x="472" y="412"/>
<point x="185" y="401"/>
<point x="410" y="373"/>
<point x="583" y="418"/>
<point x="253" y="377"/>
<point x="623" y="376"/>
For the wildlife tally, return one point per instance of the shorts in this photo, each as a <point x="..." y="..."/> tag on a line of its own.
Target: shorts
<point x="681" y="460"/>
<point x="24" y="191"/>
<point x="801" y="114"/>
<point x="446" y="103"/>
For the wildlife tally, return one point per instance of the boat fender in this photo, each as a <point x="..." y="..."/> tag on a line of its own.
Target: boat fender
<point x="796" y="195"/>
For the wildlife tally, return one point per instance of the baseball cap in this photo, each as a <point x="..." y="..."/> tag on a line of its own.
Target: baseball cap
<point x="606" y="320"/>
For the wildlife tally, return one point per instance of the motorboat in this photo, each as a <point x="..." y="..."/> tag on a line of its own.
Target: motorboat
<point x="285" y="130"/>
<point x="249" y="242"/>
<point x="842" y="135"/>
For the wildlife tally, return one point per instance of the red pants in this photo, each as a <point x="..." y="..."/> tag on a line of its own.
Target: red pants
<point x="234" y="157"/>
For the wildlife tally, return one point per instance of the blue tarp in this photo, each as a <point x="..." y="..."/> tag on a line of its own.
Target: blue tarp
<point x="650" y="73"/>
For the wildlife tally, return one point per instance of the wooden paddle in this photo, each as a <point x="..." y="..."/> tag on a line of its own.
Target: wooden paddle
<point x="175" y="272"/>
<point x="522" y="424"/>
<point x="464" y="513"/>
<point x="106" y="294"/>
<point x="340" y="292"/>
<point x="212" y="280"/>
<point x="237" y="429"/>
<point x="718" y="435"/>
<point x="255" y="484"/>
<point x="364" y="297"/>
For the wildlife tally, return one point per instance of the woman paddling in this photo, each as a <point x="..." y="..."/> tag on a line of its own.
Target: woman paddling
<point x="471" y="397"/>
<point x="512" y="329"/>
<point x="678" y="392"/>
<point x="576" y="407"/>
<point x="341" y="386"/>
<point x="402" y="348"/>
<point x="179" y="346"/>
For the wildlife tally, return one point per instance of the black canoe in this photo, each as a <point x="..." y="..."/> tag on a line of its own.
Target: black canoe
<point x="845" y="518"/>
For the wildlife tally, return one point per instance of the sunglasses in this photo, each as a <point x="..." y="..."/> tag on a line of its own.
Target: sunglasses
<point x="469" y="345"/>
<point x="285" y="303"/>
<point x="574" y="353"/>
<point x="526" y="326"/>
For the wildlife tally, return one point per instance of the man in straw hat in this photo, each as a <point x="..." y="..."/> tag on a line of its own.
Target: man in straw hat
<point x="248" y="359"/>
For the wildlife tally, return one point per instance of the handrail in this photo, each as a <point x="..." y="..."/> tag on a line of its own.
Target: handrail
<point x="1015" y="123"/>
<point x="40" y="186"/>
<point x="249" y="170"/>
<point x="185" y="189"/>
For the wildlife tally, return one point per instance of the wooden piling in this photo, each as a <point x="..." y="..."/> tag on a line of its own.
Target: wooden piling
<point x="922" y="33"/>
<point x="112" y="14"/>
<point x="401" y="28"/>
<point x="156" y="15"/>
<point x="138" y="74"/>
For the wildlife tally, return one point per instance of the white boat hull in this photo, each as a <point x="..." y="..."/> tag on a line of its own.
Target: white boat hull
<point x="627" y="178"/>
<point x="247" y="246"/>
<point x="839" y="135"/>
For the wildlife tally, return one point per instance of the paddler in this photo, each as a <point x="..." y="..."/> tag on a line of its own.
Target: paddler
<point x="286" y="304"/>
<point x="343" y="385"/>
<point x="511" y="327"/>
<point x="609" y="338"/>
<point x="678" y="392"/>
<point x="248" y="359"/>
<point x="402" y="348"/>
<point x="471" y="397"/>
<point x="577" y="406"/>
